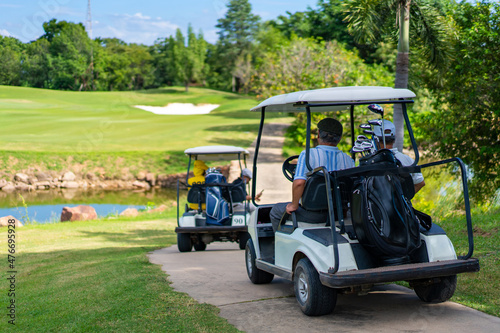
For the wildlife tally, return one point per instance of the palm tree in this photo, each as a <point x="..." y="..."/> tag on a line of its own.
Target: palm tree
<point x="371" y="20"/>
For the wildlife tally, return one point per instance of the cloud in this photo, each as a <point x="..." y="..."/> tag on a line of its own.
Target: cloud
<point x="136" y="28"/>
<point x="5" y="33"/>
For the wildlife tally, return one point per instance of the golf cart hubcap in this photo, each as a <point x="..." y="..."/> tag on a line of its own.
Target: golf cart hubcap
<point x="303" y="288"/>
<point x="249" y="261"/>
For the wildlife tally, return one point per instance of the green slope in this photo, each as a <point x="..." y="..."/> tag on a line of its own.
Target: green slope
<point x="64" y="121"/>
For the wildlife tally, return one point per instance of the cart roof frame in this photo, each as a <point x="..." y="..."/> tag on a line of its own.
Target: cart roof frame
<point x="332" y="99"/>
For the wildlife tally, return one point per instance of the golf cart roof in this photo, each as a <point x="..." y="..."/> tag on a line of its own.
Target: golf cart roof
<point x="295" y="102"/>
<point x="215" y="153"/>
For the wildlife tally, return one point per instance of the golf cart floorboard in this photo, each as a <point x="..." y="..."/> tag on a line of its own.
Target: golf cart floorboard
<point x="399" y="273"/>
<point x="210" y="230"/>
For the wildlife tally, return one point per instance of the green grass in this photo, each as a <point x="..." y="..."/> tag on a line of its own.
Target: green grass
<point x="64" y="121"/>
<point x="95" y="277"/>
<point x="481" y="290"/>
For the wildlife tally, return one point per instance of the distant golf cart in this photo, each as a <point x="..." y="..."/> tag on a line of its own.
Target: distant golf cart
<point x="209" y="215"/>
<point x="368" y="238"/>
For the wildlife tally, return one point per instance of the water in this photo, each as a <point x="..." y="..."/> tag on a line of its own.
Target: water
<point x="46" y="206"/>
<point x="52" y="213"/>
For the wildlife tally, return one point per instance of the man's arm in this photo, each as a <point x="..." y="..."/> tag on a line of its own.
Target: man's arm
<point x="419" y="186"/>
<point x="297" y="191"/>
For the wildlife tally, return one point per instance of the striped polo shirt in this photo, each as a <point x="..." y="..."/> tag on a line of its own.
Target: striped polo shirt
<point x="328" y="156"/>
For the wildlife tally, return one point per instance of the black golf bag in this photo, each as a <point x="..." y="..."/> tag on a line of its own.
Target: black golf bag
<point x="382" y="215"/>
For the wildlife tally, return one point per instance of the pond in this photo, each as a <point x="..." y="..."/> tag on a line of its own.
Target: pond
<point x="46" y="206"/>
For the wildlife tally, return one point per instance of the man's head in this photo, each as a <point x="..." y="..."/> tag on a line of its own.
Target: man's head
<point x="389" y="131"/>
<point x="329" y="131"/>
<point x="246" y="174"/>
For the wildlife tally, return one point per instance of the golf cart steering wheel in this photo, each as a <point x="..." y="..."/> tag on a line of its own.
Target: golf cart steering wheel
<point x="289" y="168"/>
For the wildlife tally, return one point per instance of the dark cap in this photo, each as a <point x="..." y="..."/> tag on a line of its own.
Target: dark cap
<point x="330" y="125"/>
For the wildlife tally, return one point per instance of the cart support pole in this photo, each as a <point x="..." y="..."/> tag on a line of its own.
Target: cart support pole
<point x="256" y="154"/>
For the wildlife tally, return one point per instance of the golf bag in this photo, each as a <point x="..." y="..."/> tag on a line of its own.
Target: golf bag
<point x="217" y="207"/>
<point x="382" y="215"/>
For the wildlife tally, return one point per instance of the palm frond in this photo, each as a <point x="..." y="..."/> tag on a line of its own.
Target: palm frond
<point x="430" y="29"/>
<point x="365" y="19"/>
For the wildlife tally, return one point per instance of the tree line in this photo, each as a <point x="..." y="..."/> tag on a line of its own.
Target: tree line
<point x="444" y="50"/>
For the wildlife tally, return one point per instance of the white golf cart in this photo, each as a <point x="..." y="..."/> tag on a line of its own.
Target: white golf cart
<point x="216" y="210"/>
<point x="357" y="246"/>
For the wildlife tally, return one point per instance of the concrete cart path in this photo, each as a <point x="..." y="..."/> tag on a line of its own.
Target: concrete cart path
<point x="218" y="276"/>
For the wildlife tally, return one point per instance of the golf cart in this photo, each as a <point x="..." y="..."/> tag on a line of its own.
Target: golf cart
<point x="366" y="239"/>
<point x="216" y="210"/>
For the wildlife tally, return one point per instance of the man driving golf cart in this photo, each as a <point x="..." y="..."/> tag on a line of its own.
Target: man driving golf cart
<point x="325" y="154"/>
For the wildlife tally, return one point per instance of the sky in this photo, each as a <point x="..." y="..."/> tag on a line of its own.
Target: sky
<point x="132" y="21"/>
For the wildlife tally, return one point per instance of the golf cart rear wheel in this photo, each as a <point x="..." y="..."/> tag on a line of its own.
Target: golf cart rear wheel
<point x="255" y="275"/>
<point x="243" y="239"/>
<point x="200" y="246"/>
<point x="184" y="243"/>
<point x="437" y="291"/>
<point x="314" y="298"/>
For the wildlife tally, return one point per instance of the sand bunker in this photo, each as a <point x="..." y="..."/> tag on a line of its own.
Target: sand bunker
<point x="179" y="108"/>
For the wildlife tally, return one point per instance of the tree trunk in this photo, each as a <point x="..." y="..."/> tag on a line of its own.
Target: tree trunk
<point x="402" y="66"/>
<point x="187" y="86"/>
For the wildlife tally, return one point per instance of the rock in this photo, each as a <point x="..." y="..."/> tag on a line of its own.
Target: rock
<point x="79" y="213"/>
<point x="151" y="178"/>
<point x="161" y="208"/>
<point x="43" y="177"/>
<point x="21" y="177"/>
<point x="4" y="221"/>
<point x="3" y="182"/>
<point x="9" y="187"/>
<point x="23" y="187"/>
<point x="69" y="184"/>
<point x="32" y="180"/>
<point x="141" y="175"/>
<point x="141" y="185"/>
<point x="68" y="176"/>
<point x="45" y="185"/>
<point x="91" y="176"/>
<point x="130" y="212"/>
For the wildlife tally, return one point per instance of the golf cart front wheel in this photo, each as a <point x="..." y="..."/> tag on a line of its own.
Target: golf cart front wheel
<point x="184" y="243"/>
<point x="314" y="298"/>
<point x="436" y="290"/>
<point x="255" y="275"/>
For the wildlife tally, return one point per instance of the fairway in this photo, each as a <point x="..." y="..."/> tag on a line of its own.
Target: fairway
<point x="79" y="122"/>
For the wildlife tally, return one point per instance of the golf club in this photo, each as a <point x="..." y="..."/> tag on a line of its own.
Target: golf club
<point x="375" y="108"/>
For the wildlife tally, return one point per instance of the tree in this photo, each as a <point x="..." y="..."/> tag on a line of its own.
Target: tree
<point x="69" y="55"/>
<point x="370" y="20"/>
<point x="10" y="65"/>
<point x="35" y="66"/>
<point x="466" y="122"/>
<point x="237" y="30"/>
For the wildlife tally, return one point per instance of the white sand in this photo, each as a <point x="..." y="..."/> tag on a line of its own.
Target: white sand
<point x="179" y="109"/>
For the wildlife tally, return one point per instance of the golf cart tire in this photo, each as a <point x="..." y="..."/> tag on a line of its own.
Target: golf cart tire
<point x="255" y="275"/>
<point x="243" y="239"/>
<point x="200" y="246"/>
<point x="436" y="292"/>
<point x="184" y="243"/>
<point x="314" y="298"/>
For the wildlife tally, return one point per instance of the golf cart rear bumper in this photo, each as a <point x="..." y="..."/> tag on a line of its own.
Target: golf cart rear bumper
<point x="210" y="230"/>
<point x="399" y="273"/>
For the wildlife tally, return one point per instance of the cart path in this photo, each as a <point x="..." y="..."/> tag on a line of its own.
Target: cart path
<point x="218" y="276"/>
<point x="269" y="174"/>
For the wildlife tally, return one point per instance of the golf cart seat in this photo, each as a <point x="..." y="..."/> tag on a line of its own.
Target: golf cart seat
<point x="315" y="197"/>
